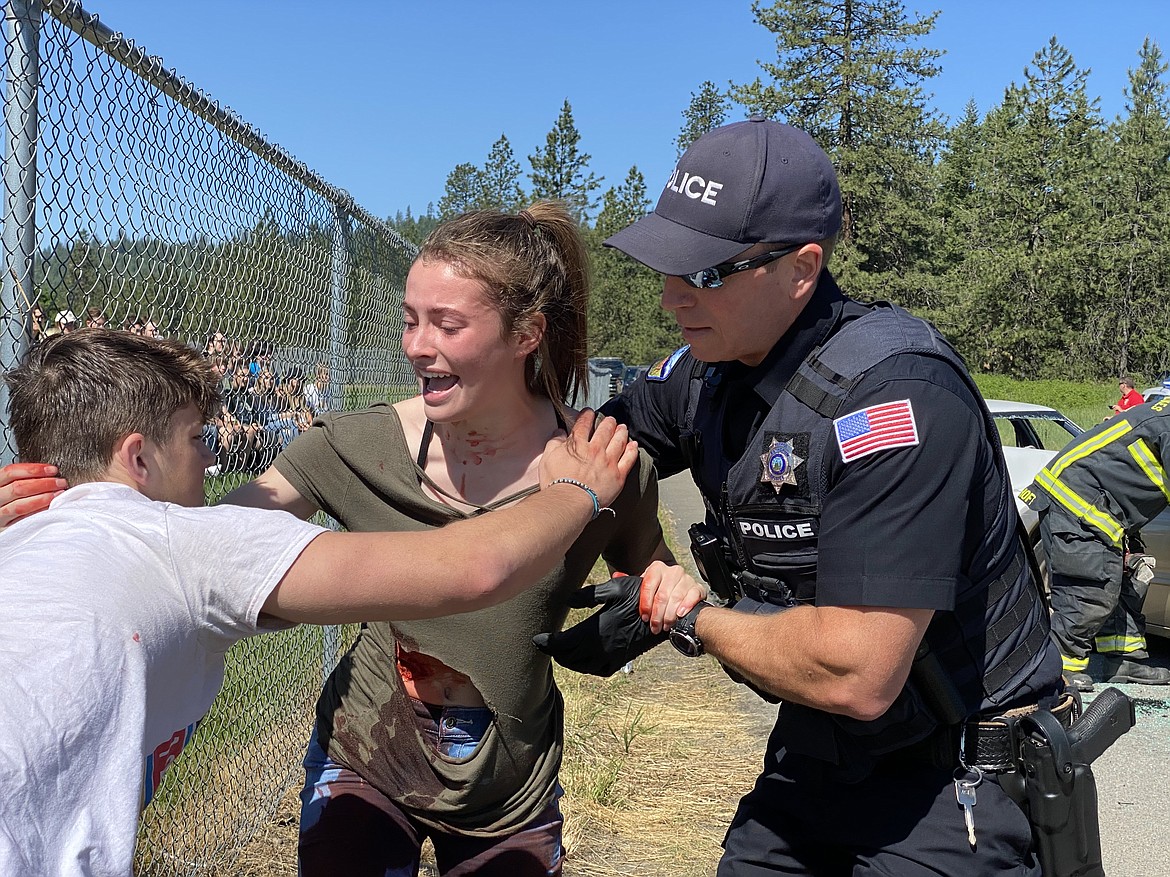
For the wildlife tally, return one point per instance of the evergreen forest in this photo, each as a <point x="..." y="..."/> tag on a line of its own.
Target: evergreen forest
<point x="1035" y="234"/>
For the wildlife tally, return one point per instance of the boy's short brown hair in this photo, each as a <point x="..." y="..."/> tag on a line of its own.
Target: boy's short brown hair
<point x="76" y="395"/>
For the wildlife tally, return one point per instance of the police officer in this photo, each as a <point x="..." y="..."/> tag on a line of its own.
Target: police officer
<point x="1093" y="498"/>
<point x="855" y="489"/>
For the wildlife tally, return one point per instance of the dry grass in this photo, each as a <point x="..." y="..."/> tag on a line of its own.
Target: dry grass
<point x="655" y="763"/>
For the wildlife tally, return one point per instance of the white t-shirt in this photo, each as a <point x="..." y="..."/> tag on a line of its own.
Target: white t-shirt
<point x="115" y="614"/>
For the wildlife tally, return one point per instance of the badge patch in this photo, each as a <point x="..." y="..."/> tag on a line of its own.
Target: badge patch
<point x="660" y="371"/>
<point x="780" y="462"/>
<point x="876" y="428"/>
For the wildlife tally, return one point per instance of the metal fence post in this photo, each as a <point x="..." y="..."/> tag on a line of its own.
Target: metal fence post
<point x="22" y="22"/>
<point x="338" y="354"/>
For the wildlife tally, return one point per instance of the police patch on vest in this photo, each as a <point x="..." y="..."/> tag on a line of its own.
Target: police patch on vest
<point x="777" y="531"/>
<point x="876" y="428"/>
<point x="784" y="462"/>
<point x="661" y="370"/>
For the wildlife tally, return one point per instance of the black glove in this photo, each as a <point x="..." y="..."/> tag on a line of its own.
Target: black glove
<point x="609" y="638"/>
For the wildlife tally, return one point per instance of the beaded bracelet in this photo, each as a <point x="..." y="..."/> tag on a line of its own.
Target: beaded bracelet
<point x="598" y="508"/>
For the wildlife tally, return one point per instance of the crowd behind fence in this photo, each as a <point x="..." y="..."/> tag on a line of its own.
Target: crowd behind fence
<point x="133" y="200"/>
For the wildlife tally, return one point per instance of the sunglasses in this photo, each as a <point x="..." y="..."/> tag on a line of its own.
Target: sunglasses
<point x="712" y="278"/>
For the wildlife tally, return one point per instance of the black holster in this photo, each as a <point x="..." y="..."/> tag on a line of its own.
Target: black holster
<point x="1055" y="785"/>
<point x="727" y="582"/>
<point x="707" y="551"/>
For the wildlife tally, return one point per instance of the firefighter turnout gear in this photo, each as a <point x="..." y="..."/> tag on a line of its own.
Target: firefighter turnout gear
<point x="1093" y="498"/>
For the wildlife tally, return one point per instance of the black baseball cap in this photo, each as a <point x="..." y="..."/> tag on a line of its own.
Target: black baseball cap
<point x="736" y="186"/>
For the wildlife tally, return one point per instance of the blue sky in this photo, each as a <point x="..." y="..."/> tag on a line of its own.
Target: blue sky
<point x="384" y="97"/>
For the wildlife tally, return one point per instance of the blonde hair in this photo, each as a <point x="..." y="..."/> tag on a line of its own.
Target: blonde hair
<point x="531" y="262"/>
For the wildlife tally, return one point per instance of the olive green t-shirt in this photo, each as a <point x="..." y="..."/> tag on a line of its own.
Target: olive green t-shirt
<point x="356" y="466"/>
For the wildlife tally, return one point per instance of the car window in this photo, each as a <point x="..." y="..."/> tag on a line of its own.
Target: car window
<point x="1031" y="431"/>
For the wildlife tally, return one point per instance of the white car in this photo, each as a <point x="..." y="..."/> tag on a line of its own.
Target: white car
<point x="1031" y="436"/>
<point x="1152" y="394"/>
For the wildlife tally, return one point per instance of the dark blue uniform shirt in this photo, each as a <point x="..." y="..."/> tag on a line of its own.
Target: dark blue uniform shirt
<point x="905" y="527"/>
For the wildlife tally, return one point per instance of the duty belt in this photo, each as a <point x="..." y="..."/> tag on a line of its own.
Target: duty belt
<point x="991" y="744"/>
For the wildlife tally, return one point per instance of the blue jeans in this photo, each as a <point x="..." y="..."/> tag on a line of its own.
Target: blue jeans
<point x="456" y="731"/>
<point x="284" y="429"/>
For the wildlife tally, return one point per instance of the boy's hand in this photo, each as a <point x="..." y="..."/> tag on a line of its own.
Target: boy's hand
<point x="27" y="488"/>
<point x="598" y="454"/>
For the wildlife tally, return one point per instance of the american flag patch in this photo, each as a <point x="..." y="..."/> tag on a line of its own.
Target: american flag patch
<point x="876" y="428"/>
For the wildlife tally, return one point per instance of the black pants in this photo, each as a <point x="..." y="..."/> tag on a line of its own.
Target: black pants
<point x="1095" y="603"/>
<point x="901" y="821"/>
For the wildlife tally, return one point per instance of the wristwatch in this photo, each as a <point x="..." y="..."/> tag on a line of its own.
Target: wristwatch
<point x="682" y="635"/>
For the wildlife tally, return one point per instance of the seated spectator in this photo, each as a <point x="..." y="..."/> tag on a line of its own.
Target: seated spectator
<point x="220" y="365"/>
<point x="38" y="324"/>
<point x="66" y="321"/>
<point x="318" y="391"/>
<point x="217" y="345"/>
<point x="95" y="318"/>
<point x="259" y="355"/>
<point x="294" y="406"/>
<point x="1130" y="397"/>
<point x="278" y="429"/>
<point x="238" y="425"/>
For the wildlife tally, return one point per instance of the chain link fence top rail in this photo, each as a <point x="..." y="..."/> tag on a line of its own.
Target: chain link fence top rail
<point x="133" y="200"/>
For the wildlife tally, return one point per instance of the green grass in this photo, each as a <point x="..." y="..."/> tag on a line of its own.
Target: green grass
<point x="360" y="396"/>
<point x="1086" y="403"/>
<point x="216" y="487"/>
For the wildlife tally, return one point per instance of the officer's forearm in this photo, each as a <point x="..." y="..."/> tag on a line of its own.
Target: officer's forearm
<point x="847" y="660"/>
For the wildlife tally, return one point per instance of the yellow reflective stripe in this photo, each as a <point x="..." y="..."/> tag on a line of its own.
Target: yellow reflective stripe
<point x="1123" y="644"/>
<point x="1079" y="452"/>
<point x="1150" y="465"/>
<point x="1075" y="665"/>
<point x="1087" y="513"/>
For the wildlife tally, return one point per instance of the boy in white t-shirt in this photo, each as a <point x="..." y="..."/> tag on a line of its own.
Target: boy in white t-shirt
<point x="118" y="603"/>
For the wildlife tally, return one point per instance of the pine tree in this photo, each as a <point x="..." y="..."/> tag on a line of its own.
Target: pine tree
<point x="625" y="319"/>
<point x="708" y="109"/>
<point x="463" y="191"/>
<point x="1029" y="268"/>
<point x="501" y="178"/>
<point x="560" y="171"/>
<point x="1128" y="314"/>
<point x="414" y="228"/>
<point x="957" y="177"/>
<point x="848" y="74"/>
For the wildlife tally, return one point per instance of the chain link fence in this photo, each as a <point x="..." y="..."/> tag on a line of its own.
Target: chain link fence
<point x="133" y="200"/>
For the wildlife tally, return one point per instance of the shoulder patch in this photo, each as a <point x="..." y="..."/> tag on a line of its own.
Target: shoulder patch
<point x="661" y="370"/>
<point x="876" y="428"/>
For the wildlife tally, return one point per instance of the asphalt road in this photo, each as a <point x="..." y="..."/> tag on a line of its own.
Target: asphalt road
<point x="1133" y="790"/>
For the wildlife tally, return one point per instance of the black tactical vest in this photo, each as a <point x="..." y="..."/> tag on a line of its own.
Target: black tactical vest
<point x="991" y="643"/>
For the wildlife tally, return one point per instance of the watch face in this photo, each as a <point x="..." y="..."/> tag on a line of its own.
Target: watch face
<point x="686" y="642"/>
